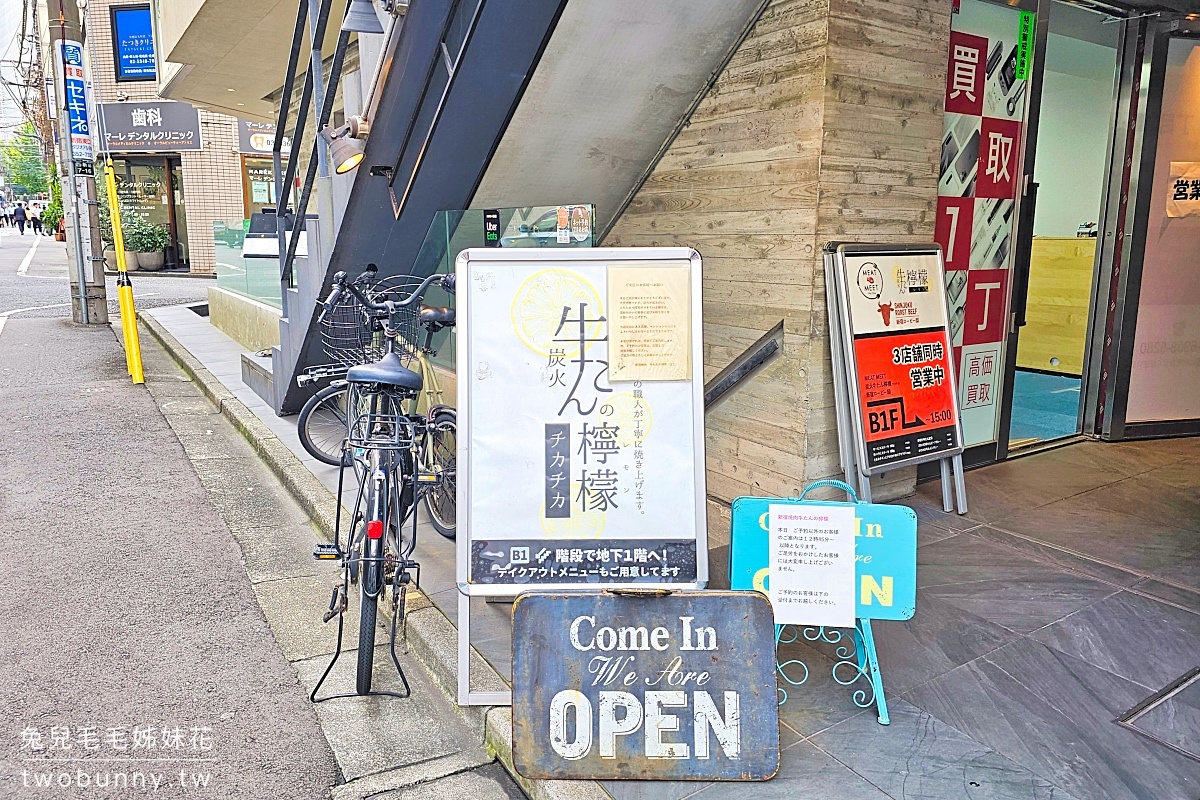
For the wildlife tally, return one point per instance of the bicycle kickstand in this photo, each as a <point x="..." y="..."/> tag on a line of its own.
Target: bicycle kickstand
<point x="337" y="607"/>
<point x="399" y="596"/>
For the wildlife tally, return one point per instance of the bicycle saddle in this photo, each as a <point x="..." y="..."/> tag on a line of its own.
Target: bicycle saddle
<point x="437" y="316"/>
<point x="388" y="370"/>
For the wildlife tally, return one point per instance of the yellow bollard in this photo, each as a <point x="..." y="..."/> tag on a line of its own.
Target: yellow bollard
<point x="133" y="346"/>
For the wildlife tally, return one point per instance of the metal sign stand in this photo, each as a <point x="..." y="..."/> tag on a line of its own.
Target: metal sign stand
<point x="893" y="555"/>
<point x="857" y="474"/>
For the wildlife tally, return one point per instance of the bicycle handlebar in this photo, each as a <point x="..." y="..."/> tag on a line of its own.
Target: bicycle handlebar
<point x="447" y="282"/>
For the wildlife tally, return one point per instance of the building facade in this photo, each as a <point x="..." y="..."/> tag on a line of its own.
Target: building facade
<point x="1047" y="146"/>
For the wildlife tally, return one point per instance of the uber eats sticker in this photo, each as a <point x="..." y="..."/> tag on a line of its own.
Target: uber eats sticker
<point x="661" y="688"/>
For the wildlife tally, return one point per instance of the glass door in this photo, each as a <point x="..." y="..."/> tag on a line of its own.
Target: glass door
<point x="1076" y="102"/>
<point x="1164" y="379"/>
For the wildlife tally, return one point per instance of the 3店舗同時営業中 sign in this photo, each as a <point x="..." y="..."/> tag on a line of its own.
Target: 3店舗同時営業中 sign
<point x="613" y="686"/>
<point x="899" y="346"/>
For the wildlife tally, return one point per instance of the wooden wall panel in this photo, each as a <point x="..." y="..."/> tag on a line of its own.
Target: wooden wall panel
<point x="826" y="124"/>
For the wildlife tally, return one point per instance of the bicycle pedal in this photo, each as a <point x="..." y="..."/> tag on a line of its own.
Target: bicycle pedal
<point x="326" y="551"/>
<point x="429" y="478"/>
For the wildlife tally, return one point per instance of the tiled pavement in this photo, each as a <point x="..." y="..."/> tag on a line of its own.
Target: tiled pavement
<point x="1068" y="594"/>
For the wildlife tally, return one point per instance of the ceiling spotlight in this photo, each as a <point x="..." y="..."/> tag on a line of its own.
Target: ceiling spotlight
<point x="360" y="18"/>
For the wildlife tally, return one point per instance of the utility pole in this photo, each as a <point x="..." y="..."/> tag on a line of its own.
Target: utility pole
<point x="89" y="303"/>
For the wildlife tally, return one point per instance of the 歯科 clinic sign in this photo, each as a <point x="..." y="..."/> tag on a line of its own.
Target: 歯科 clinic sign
<point x="647" y="688"/>
<point x="161" y="126"/>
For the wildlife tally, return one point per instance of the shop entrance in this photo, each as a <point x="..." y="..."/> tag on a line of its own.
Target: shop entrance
<point x="1066" y="215"/>
<point x="151" y="189"/>
<point x="1078" y="79"/>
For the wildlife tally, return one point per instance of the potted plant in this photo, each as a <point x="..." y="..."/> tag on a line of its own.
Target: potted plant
<point x="150" y="242"/>
<point x="52" y="215"/>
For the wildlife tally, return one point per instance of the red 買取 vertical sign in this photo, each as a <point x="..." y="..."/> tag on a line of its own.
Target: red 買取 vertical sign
<point x="979" y="182"/>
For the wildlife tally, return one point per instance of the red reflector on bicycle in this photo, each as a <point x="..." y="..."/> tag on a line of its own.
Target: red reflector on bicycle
<point x="375" y="529"/>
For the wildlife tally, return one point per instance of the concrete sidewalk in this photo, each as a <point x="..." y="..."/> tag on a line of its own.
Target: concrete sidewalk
<point x="1068" y="596"/>
<point x="126" y="608"/>
<point x="382" y="745"/>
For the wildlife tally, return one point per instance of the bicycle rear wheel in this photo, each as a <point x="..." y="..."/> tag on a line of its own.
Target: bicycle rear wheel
<point x="440" y="456"/>
<point x="369" y="610"/>
<point x="372" y="581"/>
<point x="322" y="424"/>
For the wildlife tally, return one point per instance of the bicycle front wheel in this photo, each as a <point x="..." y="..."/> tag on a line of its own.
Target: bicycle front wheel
<point x="322" y="424"/>
<point x="441" y="455"/>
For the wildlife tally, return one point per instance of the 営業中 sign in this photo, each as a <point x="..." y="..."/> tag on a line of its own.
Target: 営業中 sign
<point x="568" y="475"/>
<point x="151" y="127"/>
<point x="648" y="688"/>
<point x="1183" y="191"/>
<point x="894" y="340"/>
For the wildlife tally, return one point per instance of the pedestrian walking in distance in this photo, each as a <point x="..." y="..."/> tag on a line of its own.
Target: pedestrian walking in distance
<point x="20" y="217"/>
<point x="35" y="217"/>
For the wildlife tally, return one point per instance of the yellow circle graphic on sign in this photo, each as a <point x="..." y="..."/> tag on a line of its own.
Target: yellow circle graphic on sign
<point x="538" y="311"/>
<point x="580" y="525"/>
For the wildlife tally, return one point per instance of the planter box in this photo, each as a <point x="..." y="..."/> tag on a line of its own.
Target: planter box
<point x="151" y="262"/>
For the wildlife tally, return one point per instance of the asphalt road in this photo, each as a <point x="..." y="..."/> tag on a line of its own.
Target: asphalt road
<point x="134" y="659"/>
<point x="41" y="290"/>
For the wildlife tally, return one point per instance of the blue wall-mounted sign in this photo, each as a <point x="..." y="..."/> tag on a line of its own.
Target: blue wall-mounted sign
<point x="133" y="43"/>
<point x="643" y="687"/>
<point x="885" y="554"/>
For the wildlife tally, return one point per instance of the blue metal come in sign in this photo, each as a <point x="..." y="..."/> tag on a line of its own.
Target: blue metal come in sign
<point x="644" y="686"/>
<point x="885" y="545"/>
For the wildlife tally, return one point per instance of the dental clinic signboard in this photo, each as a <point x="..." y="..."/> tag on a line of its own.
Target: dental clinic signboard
<point x="581" y="419"/>
<point x="161" y="126"/>
<point x="611" y="686"/>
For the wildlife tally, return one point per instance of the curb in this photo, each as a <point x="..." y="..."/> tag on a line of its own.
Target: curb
<point x="432" y="637"/>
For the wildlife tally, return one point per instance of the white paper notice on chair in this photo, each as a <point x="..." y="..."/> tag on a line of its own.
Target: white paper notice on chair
<point x="812" y="564"/>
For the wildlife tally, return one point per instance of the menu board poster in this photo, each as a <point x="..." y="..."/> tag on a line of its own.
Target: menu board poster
<point x="573" y="476"/>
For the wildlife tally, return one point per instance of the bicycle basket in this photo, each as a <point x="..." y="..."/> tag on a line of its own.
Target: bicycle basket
<point x="346" y="333"/>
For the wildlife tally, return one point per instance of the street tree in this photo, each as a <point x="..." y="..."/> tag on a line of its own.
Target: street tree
<point x="21" y="157"/>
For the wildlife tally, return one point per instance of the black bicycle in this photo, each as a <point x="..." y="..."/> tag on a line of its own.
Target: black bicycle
<point x="350" y="337"/>
<point x="383" y="443"/>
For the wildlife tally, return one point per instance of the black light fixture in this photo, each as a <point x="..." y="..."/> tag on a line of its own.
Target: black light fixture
<point x="360" y="18"/>
<point x="344" y="149"/>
